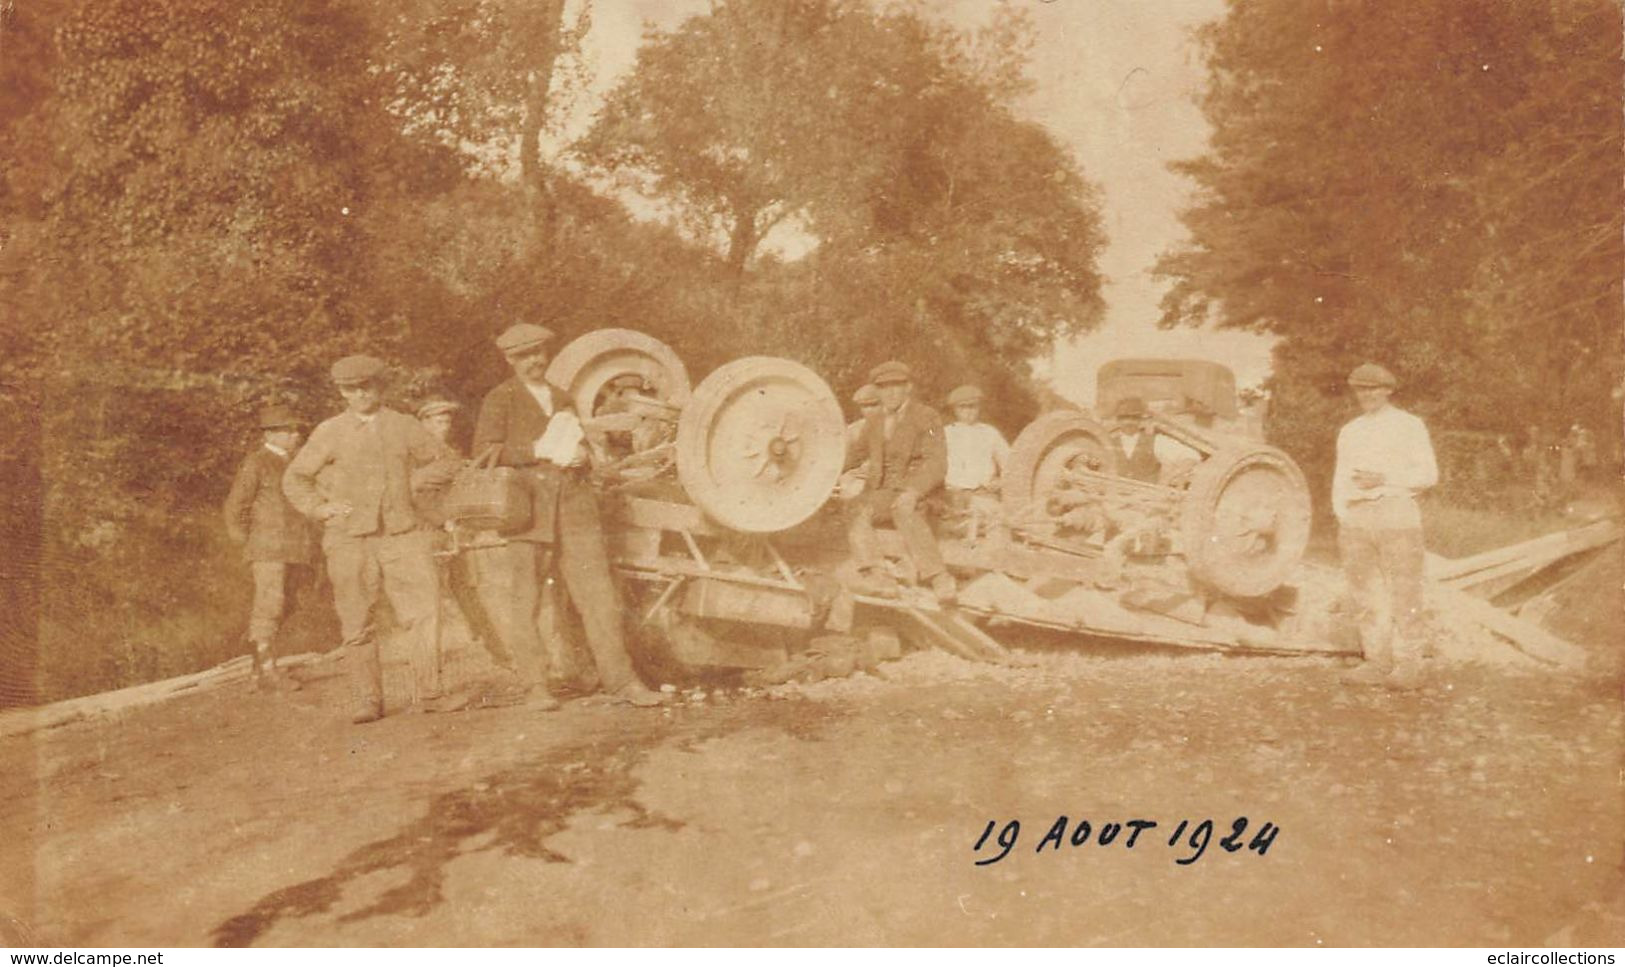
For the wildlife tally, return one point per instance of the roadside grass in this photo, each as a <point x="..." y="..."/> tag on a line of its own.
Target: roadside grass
<point x="179" y="605"/>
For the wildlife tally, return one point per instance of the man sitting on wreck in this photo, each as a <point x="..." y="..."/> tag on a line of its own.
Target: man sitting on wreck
<point x="905" y="458"/>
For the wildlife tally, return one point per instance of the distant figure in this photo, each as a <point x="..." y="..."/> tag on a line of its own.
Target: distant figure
<point x="373" y="460"/>
<point x="278" y="542"/>
<point x="1539" y="468"/>
<point x="905" y="459"/>
<point x="1135" y="455"/>
<point x="459" y="574"/>
<point x="438" y="416"/>
<point x="1384" y="460"/>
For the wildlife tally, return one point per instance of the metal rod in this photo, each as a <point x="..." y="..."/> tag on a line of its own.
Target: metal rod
<point x="660" y="602"/>
<point x="694" y="549"/>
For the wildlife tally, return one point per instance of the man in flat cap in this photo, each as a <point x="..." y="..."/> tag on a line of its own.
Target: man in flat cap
<point x="1135" y="455"/>
<point x="278" y="542"/>
<point x="1384" y="460"/>
<point x="977" y="456"/>
<point x="374" y="462"/>
<point x="977" y="451"/>
<point x="437" y="414"/>
<point x="905" y="458"/>
<point x="533" y="427"/>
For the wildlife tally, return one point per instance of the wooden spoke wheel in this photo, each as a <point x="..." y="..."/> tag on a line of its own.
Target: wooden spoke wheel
<point x="761" y="444"/>
<point x="1244" y="521"/>
<point x="585" y="367"/>
<point x="1042" y="454"/>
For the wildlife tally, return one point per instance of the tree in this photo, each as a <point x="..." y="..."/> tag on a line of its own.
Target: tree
<point x="1436" y="185"/>
<point x="192" y="196"/>
<point x="889" y="141"/>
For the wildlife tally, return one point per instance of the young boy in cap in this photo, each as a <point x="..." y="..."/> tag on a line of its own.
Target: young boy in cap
<point x="905" y="459"/>
<point x="977" y="451"/>
<point x="1384" y="461"/>
<point x="373" y="463"/>
<point x="533" y="427"/>
<point x="278" y="543"/>
<point x="977" y="455"/>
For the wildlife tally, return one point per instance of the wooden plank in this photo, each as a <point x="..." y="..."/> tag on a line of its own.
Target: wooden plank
<point x="1522" y="568"/>
<point x="1532" y="640"/>
<point x="26" y="720"/>
<point x="940" y="637"/>
<point x="662" y="515"/>
<point x="1536" y="552"/>
<point x="1537" y="608"/>
<point x="961" y="627"/>
<point x="1008" y="557"/>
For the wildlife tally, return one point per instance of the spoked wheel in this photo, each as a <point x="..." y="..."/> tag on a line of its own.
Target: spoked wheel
<point x="761" y="444"/>
<point x="1043" y="453"/>
<point x="1244" y="522"/>
<point x="585" y="367"/>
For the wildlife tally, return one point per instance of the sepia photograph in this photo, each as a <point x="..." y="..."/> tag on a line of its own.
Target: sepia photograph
<point x="812" y="473"/>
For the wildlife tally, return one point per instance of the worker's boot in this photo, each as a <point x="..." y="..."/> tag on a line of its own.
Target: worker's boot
<point x="1406" y="677"/>
<point x="366" y="683"/>
<point x="267" y="675"/>
<point x="1407" y="673"/>
<point x="638" y="694"/>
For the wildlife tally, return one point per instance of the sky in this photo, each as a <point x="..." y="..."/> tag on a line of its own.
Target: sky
<point x="1116" y="81"/>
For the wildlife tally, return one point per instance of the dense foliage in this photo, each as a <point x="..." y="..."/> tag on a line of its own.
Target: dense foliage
<point x="203" y="202"/>
<point x="1436" y="185"/>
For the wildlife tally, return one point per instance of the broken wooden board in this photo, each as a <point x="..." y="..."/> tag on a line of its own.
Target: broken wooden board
<point x="1527" y="637"/>
<point x="1541" y="606"/>
<point x="953" y="635"/>
<point x="26" y="720"/>
<point x="1525" y="556"/>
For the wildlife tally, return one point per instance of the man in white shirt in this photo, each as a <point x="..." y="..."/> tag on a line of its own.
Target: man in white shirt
<point x="977" y="451"/>
<point x="977" y="456"/>
<point x="1384" y="461"/>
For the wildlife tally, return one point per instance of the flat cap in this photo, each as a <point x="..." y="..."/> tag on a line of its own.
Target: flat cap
<point x="522" y="336"/>
<point x="1130" y="406"/>
<point x="357" y="369"/>
<point x="278" y="417"/>
<point x="965" y="396"/>
<point x="627" y="381"/>
<point x="437" y="406"/>
<point x="1368" y="375"/>
<point x="890" y="371"/>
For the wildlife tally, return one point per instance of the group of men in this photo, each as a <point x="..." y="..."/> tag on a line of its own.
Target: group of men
<point x="1385" y="460"/>
<point x="369" y="479"/>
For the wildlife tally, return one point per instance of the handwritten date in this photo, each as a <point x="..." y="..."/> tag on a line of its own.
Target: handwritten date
<point x="1191" y="839"/>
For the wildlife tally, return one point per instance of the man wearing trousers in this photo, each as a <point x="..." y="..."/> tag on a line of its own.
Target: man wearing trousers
<point x="1384" y="461"/>
<point x="533" y="427"/>
<point x="278" y="543"/>
<point x="372" y="460"/>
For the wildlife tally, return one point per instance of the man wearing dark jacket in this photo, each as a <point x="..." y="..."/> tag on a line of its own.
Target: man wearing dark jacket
<point x="905" y="458"/>
<point x="1134" y="452"/>
<point x="278" y="543"/>
<point x="534" y="428"/>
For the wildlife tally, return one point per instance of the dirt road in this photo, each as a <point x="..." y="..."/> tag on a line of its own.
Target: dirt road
<point x="1485" y="810"/>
